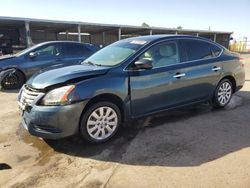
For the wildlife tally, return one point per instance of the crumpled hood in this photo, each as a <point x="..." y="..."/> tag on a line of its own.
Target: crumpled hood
<point x="55" y="76"/>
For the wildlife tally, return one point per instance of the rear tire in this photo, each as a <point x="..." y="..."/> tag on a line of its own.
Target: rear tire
<point x="100" y="122"/>
<point x="223" y="94"/>
<point x="13" y="81"/>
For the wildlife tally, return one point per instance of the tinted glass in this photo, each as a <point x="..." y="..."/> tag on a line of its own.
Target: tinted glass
<point x="77" y="50"/>
<point x="215" y="50"/>
<point x="197" y="50"/>
<point x="51" y="50"/>
<point x="162" y="54"/>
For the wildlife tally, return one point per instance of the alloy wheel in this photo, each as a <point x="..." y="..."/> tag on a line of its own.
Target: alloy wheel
<point x="102" y="123"/>
<point x="224" y="93"/>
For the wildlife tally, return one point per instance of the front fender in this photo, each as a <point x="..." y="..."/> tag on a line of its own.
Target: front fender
<point x="116" y="85"/>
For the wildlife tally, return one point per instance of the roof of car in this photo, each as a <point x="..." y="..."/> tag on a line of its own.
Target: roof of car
<point x="64" y="41"/>
<point x="151" y="38"/>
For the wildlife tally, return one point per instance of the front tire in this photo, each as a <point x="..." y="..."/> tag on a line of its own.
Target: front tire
<point x="222" y="94"/>
<point x="13" y="81"/>
<point x="100" y="122"/>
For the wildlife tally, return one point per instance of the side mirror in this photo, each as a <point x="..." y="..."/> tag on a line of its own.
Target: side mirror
<point x="144" y="64"/>
<point x="32" y="55"/>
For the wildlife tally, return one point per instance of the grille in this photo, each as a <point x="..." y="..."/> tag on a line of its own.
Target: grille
<point x="28" y="95"/>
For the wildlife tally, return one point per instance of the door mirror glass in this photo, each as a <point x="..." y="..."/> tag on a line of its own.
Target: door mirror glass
<point x="32" y="55"/>
<point x="144" y="64"/>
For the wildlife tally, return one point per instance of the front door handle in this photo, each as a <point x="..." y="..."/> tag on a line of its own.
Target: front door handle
<point x="216" y="68"/>
<point x="179" y="75"/>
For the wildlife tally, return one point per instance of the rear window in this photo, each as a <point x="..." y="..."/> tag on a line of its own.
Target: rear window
<point x="196" y="50"/>
<point x="215" y="50"/>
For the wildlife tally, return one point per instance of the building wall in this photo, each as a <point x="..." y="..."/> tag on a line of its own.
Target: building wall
<point x="17" y="35"/>
<point x="97" y="39"/>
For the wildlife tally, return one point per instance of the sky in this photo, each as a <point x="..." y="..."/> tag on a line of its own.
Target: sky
<point x="219" y="15"/>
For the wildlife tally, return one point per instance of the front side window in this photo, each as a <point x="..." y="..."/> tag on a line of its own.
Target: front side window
<point x="197" y="50"/>
<point x="162" y="54"/>
<point x="115" y="53"/>
<point x="51" y="50"/>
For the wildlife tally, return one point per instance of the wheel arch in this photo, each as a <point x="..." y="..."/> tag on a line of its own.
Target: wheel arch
<point x="231" y="79"/>
<point x="109" y="97"/>
<point x="16" y="69"/>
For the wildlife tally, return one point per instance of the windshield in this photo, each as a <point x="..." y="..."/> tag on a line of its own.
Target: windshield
<point x="115" y="53"/>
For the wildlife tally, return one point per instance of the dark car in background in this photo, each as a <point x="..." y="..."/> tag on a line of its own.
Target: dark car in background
<point x="129" y="79"/>
<point x="16" y="69"/>
<point x="5" y="45"/>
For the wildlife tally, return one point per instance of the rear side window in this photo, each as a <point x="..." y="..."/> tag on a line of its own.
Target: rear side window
<point x="77" y="50"/>
<point x="196" y="50"/>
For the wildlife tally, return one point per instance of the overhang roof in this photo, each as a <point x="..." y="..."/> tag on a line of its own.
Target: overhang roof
<point x="86" y="27"/>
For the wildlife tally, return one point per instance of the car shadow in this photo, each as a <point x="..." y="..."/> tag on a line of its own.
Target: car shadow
<point x="186" y="137"/>
<point x="9" y="91"/>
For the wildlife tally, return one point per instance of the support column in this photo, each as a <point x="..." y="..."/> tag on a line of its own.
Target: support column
<point x="27" y="34"/>
<point x="79" y="33"/>
<point x="176" y="32"/>
<point x="215" y="36"/>
<point x="90" y="39"/>
<point x="197" y="34"/>
<point x="151" y="32"/>
<point x="103" y="38"/>
<point x="67" y="35"/>
<point x="119" y="33"/>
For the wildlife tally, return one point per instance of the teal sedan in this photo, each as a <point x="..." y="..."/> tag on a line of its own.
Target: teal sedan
<point x="128" y="79"/>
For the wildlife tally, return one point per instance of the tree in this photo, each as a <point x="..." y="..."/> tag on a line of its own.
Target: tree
<point x="179" y="27"/>
<point x="145" y="25"/>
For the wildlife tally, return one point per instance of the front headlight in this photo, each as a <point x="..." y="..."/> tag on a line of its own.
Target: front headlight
<point x="59" y="96"/>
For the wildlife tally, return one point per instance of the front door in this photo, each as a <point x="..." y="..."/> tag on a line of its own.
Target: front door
<point x="46" y="56"/>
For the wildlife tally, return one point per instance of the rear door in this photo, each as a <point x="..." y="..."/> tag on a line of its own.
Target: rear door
<point x="203" y="66"/>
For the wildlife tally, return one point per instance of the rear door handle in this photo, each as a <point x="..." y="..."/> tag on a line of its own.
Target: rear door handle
<point x="179" y="75"/>
<point x="216" y="69"/>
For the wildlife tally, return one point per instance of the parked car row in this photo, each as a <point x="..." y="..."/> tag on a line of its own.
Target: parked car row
<point x="128" y="79"/>
<point x="16" y="69"/>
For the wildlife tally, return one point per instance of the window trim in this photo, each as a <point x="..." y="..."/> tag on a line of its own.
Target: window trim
<point x="178" y="40"/>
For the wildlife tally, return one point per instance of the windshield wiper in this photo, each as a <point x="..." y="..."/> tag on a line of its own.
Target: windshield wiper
<point x="91" y="63"/>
